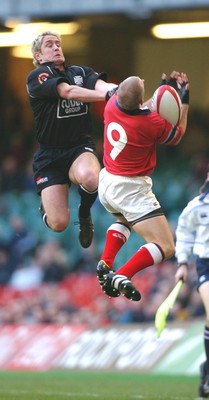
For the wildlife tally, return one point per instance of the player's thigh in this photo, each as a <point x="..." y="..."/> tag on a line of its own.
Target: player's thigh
<point x="55" y="201"/>
<point x="85" y="171"/>
<point x="157" y="230"/>
<point x="204" y="294"/>
<point x="122" y="220"/>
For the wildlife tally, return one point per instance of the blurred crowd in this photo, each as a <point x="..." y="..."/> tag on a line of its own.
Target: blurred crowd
<point x="40" y="293"/>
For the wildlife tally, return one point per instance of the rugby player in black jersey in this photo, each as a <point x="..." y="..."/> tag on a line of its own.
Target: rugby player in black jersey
<point x="59" y="96"/>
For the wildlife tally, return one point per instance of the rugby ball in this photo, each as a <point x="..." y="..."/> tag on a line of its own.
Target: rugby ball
<point x="167" y="103"/>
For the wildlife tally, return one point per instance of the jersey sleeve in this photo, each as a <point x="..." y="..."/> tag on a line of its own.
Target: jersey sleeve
<point x="40" y="83"/>
<point x="171" y="135"/>
<point x="165" y="132"/>
<point x="91" y="77"/>
<point x="185" y="233"/>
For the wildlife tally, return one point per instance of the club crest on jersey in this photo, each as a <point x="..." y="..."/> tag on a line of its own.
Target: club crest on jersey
<point x="43" y="77"/>
<point x="78" y="80"/>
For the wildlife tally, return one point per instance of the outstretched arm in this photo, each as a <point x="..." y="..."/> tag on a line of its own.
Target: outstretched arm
<point x="181" y="84"/>
<point x="78" y="93"/>
<point x="184" y="95"/>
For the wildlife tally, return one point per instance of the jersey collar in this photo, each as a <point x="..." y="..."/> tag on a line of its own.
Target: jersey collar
<point x="138" y="111"/>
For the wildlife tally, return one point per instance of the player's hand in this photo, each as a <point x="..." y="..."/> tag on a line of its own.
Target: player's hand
<point x="184" y="91"/>
<point x="179" y="82"/>
<point x="173" y="80"/>
<point x="110" y="93"/>
<point x="181" y="273"/>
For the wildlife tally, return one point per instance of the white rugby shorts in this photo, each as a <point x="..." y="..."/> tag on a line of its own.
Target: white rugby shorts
<point x="130" y="196"/>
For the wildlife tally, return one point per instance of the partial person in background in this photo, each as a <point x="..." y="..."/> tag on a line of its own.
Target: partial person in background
<point x="131" y="134"/>
<point x="59" y="96"/>
<point x="192" y="237"/>
<point x="6" y="265"/>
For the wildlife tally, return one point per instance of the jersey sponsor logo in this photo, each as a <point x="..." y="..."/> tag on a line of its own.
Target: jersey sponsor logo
<point x="71" y="108"/>
<point x="40" y="180"/>
<point x="43" y="77"/>
<point x="78" y="80"/>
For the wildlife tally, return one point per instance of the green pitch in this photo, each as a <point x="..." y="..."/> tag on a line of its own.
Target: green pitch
<point x="75" y="385"/>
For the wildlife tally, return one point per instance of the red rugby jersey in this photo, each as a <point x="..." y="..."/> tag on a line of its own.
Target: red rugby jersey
<point x="130" y="139"/>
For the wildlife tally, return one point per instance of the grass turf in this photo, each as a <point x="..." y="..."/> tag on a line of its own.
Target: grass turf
<point x="77" y="385"/>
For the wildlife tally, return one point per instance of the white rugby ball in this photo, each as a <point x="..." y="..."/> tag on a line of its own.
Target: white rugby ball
<point x="167" y="103"/>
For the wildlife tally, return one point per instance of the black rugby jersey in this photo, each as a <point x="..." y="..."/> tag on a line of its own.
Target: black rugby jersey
<point x="61" y="122"/>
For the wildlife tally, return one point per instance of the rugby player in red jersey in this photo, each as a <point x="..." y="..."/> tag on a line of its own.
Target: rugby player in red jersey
<point x="131" y="134"/>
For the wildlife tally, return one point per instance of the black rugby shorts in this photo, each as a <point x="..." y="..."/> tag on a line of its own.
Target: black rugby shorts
<point x="51" y="166"/>
<point x="202" y="267"/>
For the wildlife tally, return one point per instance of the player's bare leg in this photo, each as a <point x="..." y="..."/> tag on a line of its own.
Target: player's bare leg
<point x="159" y="246"/>
<point x="204" y="367"/>
<point x="157" y="230"/>
<point x="55" y="207"/>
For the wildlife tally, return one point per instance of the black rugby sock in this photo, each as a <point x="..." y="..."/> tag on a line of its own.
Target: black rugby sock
<point x="206" y="343"/>
<point x="87" y="200"/>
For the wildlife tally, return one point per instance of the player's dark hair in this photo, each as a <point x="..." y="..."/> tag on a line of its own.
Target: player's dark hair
<point x="205" y="187"/>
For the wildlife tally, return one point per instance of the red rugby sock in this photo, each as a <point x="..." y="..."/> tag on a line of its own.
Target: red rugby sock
<point x="146" y="256"/>
<point x="116" y="236"/>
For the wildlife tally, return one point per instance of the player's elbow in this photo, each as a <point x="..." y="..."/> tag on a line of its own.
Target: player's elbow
<point x="63" y="89"/>
<point x="183" y="120"/>
<point x="175" y="139"/>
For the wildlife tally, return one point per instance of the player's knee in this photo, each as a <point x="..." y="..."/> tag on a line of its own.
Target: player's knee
<point x="59" y="225"/>
<point x="90" y="181"/>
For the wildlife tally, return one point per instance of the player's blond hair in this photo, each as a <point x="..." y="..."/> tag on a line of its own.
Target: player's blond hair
<point x="131" y="93"/>
<point x="37" y="43"/>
